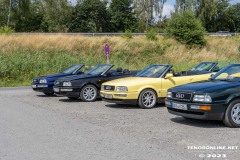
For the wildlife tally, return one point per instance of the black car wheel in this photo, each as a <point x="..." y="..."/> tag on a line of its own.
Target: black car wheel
<point x="88" y="93"/>
<point x="147" y="99"/>
<point x="232" y="114"/>
<point x="49" y="94"/>
<point x="73" y="98"/>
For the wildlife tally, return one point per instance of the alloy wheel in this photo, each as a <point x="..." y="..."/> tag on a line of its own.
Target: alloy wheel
<point x="89" y="93"/>
<point x="148" y="99"/>
<point x="235" y="113"/>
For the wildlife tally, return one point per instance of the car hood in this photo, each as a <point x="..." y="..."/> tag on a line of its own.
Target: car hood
<point x="51" y="76"/>
<point x="77" y="77"/>
<point x="206" y="86"/>
<point x="131" y="81"/>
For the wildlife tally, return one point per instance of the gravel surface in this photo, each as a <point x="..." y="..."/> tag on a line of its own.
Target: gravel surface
<point x="38" y="127"/>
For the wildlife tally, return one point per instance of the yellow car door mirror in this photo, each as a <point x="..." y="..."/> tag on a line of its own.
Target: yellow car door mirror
<point x="169" y="75"/>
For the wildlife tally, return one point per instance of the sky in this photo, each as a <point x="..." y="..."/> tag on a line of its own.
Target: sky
<point x="169" y="6"/>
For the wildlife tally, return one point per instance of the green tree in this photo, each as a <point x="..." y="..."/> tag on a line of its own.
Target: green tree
<point x="207" y="13"/>
<point x="121" y="15"/>
<point x="217" y="15"/>
<point x="222" y="18"/>
<point x="183" y="5"/>
<point x="25" y="18"/>
<point x="4" y="6"/>
<point x="233" y="19"/>
<point x="146" y="10"/>
<point x="57" y="14"/>
<point x="186" y="29"/>
<point x="90" y="16"/>
<point x="36" y="15"/>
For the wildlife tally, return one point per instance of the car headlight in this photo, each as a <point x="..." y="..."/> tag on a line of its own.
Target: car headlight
<point x="67" y="84"/>
<point x="202" y="98"/>
<point x="169" y="94"/>
<point x="42" y="81"/>
<point x="122" y="89"/>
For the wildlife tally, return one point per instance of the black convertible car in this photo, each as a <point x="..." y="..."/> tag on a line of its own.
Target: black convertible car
<point x="87" y="86"/>
<point x="216" y="99"/>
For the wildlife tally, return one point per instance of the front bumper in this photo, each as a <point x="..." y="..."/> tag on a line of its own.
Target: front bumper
<point x="216" y="113"/>
<point x="67" y="91"/>
<point x="119" y="97"/>
<point x="45" y="88"/>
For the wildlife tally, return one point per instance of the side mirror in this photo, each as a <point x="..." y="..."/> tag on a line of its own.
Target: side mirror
<point x="169" y="75"/>
<point x="210" y="77"/>
<point x="216" y="69"/>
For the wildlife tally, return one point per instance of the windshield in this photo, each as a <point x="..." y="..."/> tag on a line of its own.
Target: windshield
<point x="203" y="67"/>
<point x="231" y="72"/>
<point x="100" y="69"/>
<point x="153" y="71"/>
<point x="71" y="69"/>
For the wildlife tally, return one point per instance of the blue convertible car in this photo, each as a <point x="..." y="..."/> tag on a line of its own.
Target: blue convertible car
<point x="45" y="83"/>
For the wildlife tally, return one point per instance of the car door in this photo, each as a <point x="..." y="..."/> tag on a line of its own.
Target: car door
<point x="167" y="83"/>
<point x="202" y="77"/>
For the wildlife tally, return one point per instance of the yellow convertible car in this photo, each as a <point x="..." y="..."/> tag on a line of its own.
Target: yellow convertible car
<point x="150" y="86"/>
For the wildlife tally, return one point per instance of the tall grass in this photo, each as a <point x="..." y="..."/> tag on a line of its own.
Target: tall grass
<point x="23" y="57"/>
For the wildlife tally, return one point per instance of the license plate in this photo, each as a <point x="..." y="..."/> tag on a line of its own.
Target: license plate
<point x="108" y="96"/>
<point x="66" y="90"/>
<point x="34" y="86"/>
<point x="179" y="106"/>
<point x="56" y="89"/>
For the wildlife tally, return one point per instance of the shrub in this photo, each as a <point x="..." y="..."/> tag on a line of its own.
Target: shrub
<point x="6" y="30"/>
<point x="127" y="34"/>
<point x="151" y="35"/>
<point x="186" y="29"/>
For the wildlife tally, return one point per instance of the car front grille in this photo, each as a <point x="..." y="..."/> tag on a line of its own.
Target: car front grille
<point x="182" y="96"/>
<point x="109" y="88"/>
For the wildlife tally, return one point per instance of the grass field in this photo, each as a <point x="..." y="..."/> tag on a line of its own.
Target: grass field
<point x="23" y="57"/>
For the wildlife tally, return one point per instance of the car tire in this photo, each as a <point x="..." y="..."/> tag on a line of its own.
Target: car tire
<point x="232" y="114"/>
<point x="89" y="93"/>
<point x="73" y="98"/>
<point x="147" y="99"/>
<point x="49" y="94"/>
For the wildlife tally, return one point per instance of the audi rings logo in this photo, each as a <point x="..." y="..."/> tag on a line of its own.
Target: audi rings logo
<point x="180" y="95"/>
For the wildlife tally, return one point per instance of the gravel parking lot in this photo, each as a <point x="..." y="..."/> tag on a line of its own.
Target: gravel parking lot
<point x="38" y="127"/>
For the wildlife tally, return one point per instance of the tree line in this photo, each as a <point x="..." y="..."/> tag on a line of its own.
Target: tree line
<point x="114" y="15"/>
